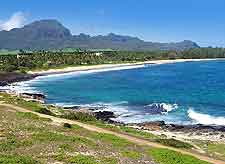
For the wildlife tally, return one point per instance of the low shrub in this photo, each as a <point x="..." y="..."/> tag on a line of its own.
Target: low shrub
<point x="15" y="159"/>
<point x="44" y="111"/>
<point x="131" y="154"/>
<point x="67" y="125"/>
<point x="174" y="143"/>
<point x="84" y="117"/>
<point x="83" y="159"/>
<point x="165" y="156"/>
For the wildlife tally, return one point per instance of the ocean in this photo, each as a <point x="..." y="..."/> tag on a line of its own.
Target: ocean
<point x="181" y="93"/>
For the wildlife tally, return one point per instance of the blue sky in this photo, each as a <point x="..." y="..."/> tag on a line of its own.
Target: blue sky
<point x="202" y="21"/>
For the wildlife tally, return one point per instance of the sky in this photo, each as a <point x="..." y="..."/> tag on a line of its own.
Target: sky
<point x="202" y="21"/>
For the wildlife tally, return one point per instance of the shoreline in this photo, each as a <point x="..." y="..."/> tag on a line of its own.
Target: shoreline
<point x="8" y="78"/>
<point x="202" y="132"/>
<point x="108" y="66"/>
<point x="186" y="133"/>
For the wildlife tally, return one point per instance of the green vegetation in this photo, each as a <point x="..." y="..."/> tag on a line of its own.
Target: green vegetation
<point x="83" y="159"/>
<point x="31" y="116"/>
<point x="165" y="156"/>
<point x="43" y="60"/>
<point x="174" y="143"/>
<point x="40" y="134"/>
<point x="131" y="154"/>
<point x="44" y="141"/>
<point x="44" y="111"/>
<point x="138" y="133"/>
<point x="16" y="159"/>
<point x="84" y="117"/>
<point x="215" y="149"/>
<point x="66" y="125"/>
<point x="125" y="129"/>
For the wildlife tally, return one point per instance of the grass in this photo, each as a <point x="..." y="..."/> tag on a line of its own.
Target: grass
<point x="109" y="160"/>
<point x="218" y="148"/>
<point x="165" y="156"/>
<point x="83" y="159"/>
<point x="16" y="159"/>
<point x="174" y="143"/>
<point x="215" y="149"/>
<point x="27" y="115"/>
<point x="83" y="117"/>
<point x="132" y="154"/>
<point x="111" y="139"/>
<point x="138" y="133"/>
<point x="44" y="111"/>
<point x="46" y="136"/>
<point x="12" y="143"/>
<point x="33" y="135"/>
<point x="124" y="129"/>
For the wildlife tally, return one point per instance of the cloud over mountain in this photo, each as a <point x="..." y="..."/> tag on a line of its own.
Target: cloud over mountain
<point x="17" y="20"/>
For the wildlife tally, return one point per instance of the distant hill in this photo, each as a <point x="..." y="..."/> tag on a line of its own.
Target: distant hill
<point x="51" y="34"/>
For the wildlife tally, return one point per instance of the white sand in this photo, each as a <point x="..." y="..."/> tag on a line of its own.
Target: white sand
<point x="83" y="68"/>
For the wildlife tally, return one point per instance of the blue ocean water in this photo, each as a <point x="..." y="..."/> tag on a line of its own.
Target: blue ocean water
<point x="191" y="92"/>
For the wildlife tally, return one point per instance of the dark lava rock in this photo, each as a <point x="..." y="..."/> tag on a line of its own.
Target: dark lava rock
<point x="34" y="95"/>
<point x="194" y="128"/>
<point x="11" y="77"/>
<point x="156" y="125"/>
<point x="104" y="115"/>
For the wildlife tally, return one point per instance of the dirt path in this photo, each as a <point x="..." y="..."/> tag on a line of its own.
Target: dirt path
<point x="128" y="137"/>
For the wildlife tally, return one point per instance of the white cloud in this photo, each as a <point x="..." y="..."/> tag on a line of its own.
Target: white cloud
<point x="15" y="21"/>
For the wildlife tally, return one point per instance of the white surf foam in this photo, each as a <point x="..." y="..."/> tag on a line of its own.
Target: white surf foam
<point x="25" y="86"/>
<point x="20" y="87"/>
<point x="205" y="119"/>
<point x="119" y="108"/>
<point x="164" y="106"/>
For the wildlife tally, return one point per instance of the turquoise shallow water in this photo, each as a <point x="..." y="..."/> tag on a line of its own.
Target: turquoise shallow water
<point x="191" y="92"/>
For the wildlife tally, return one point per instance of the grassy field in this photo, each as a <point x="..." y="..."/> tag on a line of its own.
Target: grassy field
<point x="213" y="149"/>
<point x="28" y="138"/>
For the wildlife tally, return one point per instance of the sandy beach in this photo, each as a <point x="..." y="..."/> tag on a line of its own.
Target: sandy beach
<point x="92" y="67"/>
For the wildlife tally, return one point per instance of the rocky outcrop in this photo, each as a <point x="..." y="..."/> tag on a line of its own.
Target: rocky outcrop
<point x="161" y="125"/>
<point x="104" y="115"/>
<point x="12" y="77"/>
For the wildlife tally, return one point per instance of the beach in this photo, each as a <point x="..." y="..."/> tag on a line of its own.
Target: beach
<point x="104" y="66"/>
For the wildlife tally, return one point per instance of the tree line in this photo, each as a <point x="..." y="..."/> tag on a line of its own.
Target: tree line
<point x="24" y="61"/>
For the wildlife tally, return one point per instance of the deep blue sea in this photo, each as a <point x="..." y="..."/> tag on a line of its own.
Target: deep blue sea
<point x="190" y="92"/>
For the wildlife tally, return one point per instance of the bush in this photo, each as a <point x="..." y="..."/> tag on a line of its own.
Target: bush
<point x="131" y="154"/>
<point x="27" y="115"/>
<point x="8" y="68"/>
<point x="165" y="156"/>
<point x="85" y="117"/>
<point x="44" y="111"/>
<point x="82" y="159"/>
<point x="67" y="125"/>
<point x="15" y="159"/>
<point x="174" y="143"/>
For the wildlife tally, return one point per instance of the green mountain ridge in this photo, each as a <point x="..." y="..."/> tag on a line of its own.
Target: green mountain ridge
<point x="51" y="34"/>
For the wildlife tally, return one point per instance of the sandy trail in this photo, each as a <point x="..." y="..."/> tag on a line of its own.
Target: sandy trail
<point x="101" y="130"/>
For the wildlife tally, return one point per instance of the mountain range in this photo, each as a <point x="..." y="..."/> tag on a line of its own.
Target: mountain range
<point x="51" y="34"/>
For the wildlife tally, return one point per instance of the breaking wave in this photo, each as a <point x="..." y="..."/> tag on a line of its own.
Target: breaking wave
<point x="162" y="108"/>
<point x="205" y="119"/>
<point x="119" y="108"/>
